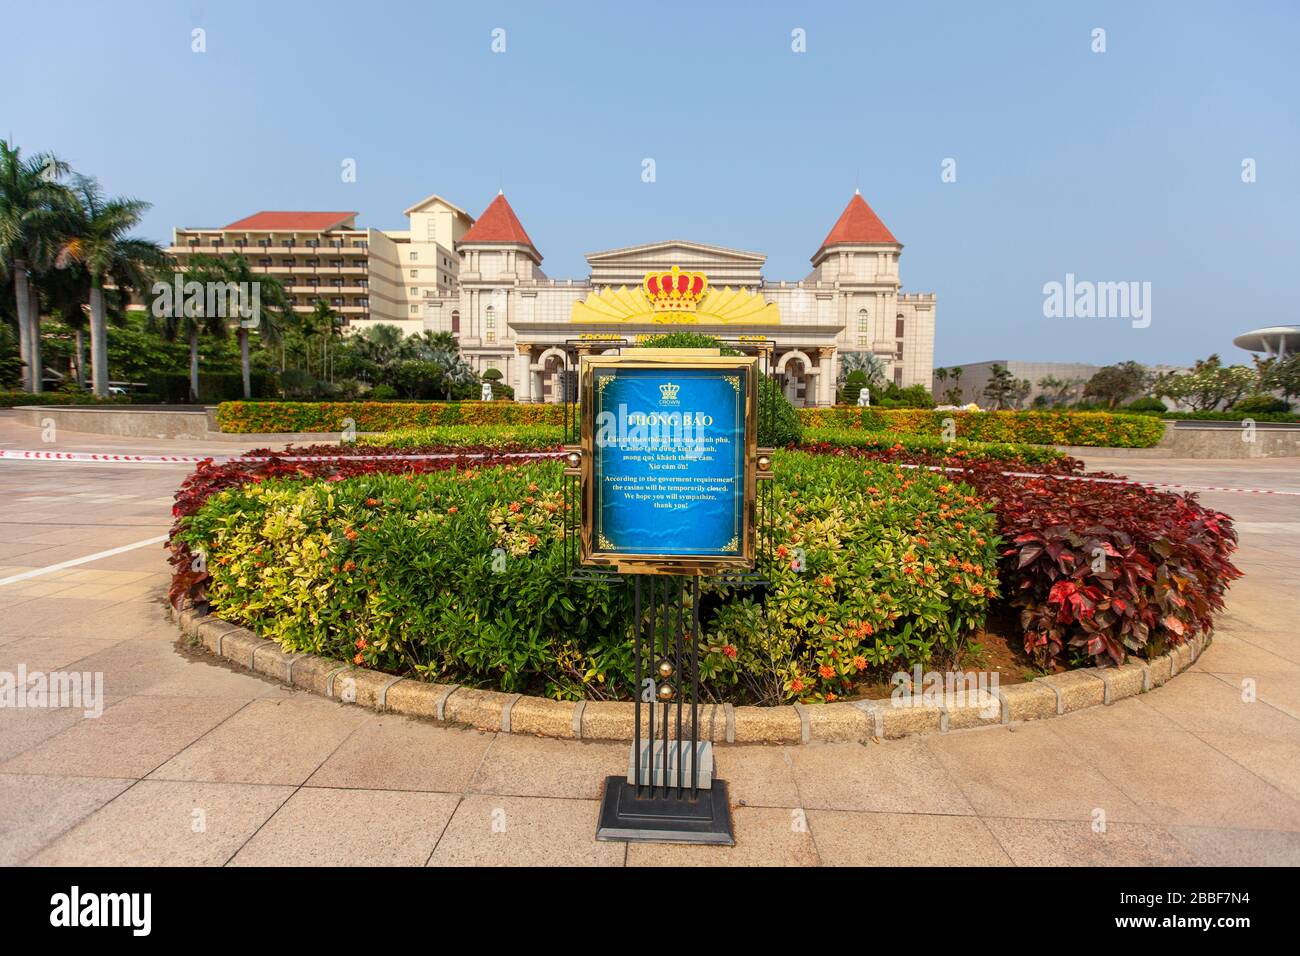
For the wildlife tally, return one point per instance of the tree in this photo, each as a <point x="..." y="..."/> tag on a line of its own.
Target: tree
<point x="1280" y="375"/>
<point x="190" y="317"/>
<point x="954" y="395"/>
<point x="1001" y="388"/>
<point x="1209" y="384"/>
<point x="29" y="196"/>
<point x="273" y="310"/>
<point x="1059" y="392"/>
<point x="96" y="238"/>
<point x="1115" y="384"/>
<point x="868" y="363"/>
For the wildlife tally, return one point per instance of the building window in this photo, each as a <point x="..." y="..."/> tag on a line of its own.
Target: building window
<point x="364" y="302"/>
<point x="898" y="327"/>
<point x="313" y="243"/>
<point x="455" y="321"/>
<point x="414" y="256"/>
<point x="898" y="349"/>
<point x="415" y="273"/>
<point x="415" y="310"/>
<point x="265" y="263"/>
<point x="490" y="326"/>
<point x="414" y="291"/>
<point x="240" y="243"/>
<point x="264" y="243"/>
<point x="898" y="375"/>
<point x="337" y="302"/>
<point x="864" y="327"/>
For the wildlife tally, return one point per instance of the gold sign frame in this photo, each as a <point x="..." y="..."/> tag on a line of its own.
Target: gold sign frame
<point x="581" y="462"/>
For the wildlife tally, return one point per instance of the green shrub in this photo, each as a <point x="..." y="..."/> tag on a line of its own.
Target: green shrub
<point x="383" y="393"/>
<point x="375" y="416"/>
<point x="872" y="569"/>
<point x="1260" y="405"/>
<point x="1147" y="405"/>
<point x="973" y="450"/>
<point x="1093" y="429"/>
<point x="447" y="574"/>
<point x="468" y="436"/>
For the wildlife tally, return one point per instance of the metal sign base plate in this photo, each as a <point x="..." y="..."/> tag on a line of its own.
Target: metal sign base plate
<point x="665" y="818"/>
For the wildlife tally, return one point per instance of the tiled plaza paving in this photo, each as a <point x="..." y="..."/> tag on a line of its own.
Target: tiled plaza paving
<point x="194" y="763"/>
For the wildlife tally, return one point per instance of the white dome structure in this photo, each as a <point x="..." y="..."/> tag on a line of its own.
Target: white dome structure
<point x="1279" y="340"/>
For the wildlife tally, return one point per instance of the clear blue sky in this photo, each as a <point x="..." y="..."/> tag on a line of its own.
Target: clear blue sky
<point x="1117" y="166"/>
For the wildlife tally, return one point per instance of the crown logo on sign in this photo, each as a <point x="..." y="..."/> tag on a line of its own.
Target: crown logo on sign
<point x="668" y="392"/>
<point x="675" y="290"/>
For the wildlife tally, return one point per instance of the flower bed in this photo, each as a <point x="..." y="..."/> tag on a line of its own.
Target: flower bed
<point x="1101" y="570"/>
<point x="277" y="417"/>
<point x="452" y="568"/>
<point x="459" y="573"/>
<point x="1091" y="429"/>
<point x="489" y="436"/>
<point x="908" y="447"/>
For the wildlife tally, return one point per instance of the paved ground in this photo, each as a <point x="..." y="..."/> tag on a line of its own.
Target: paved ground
<point x="194" y="763"/>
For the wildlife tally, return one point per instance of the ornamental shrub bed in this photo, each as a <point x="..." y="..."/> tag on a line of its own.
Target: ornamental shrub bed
<point x="452" y="568"/>
<point x="489" y="436"/>
<point x="1101" y="570"/>
<point x="276" y="417"/>
<point x="1090" y="429"/>
<point x="826" y="439"/>
<point x="457" y="573"/>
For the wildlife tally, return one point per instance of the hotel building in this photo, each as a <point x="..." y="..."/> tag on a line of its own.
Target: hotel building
<point x="481" y="280"/>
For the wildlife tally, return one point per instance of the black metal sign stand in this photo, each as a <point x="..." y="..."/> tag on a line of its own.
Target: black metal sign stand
<point x="670" y="793"/>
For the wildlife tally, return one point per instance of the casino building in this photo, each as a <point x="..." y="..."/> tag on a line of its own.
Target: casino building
<point x="481" y="280"/>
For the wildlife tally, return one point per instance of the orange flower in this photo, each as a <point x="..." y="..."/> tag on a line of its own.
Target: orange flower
<point x="826" y="671"/>
<point x="358" y="659"/>
<point x="361" y="643"/>
<point x="371" y="502"/>
<point x="349" y="534"/>
<point x="796" y="685"/>
<point x="729" y="651"/>
<point x="514" y="506"/>
<point x="860" y="662"/>
<point x="350" y="566"/>
<point x="827" y="581"/>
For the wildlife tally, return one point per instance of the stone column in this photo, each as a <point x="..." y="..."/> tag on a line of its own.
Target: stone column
<point x="524" y="373"/>
<point x="826" y="375"/>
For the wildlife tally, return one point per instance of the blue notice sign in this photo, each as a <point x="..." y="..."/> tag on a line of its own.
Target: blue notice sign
<point x="668" y="461"/>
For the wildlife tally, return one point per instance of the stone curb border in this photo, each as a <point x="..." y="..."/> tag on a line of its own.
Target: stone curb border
<point x="721" y="723"/>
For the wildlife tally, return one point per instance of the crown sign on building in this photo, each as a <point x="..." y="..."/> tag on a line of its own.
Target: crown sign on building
<point x="675" y="290"/>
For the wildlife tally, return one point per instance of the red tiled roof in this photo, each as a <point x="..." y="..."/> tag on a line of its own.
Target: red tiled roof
<point x="858" y="224"/>
<point x="296" y="221"/>
<point x="498" y="224"/>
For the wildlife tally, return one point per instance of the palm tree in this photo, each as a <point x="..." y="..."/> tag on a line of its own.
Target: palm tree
<point x="29" y="194"/>
<point x="274" y="310"/>
<point x="321" y="321"/>
<point x="97" y="239"/>
<point x="190" y="318"/>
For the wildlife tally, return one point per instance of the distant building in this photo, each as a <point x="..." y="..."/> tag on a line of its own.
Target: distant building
<point x="481" y="281"/>
<point x="976" y="375"/>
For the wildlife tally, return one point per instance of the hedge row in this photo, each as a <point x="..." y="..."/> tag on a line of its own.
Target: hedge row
<point x="14" y="399"/>
<point x="1088" y="429"/>
<point x="823" y="439"/>
<point x="275" y="417"/>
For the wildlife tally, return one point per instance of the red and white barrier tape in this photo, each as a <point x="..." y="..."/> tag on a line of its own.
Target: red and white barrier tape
<point x="84" y="456"/>
<point x="1111" y="481"/>
<point x="87" y="456"/>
